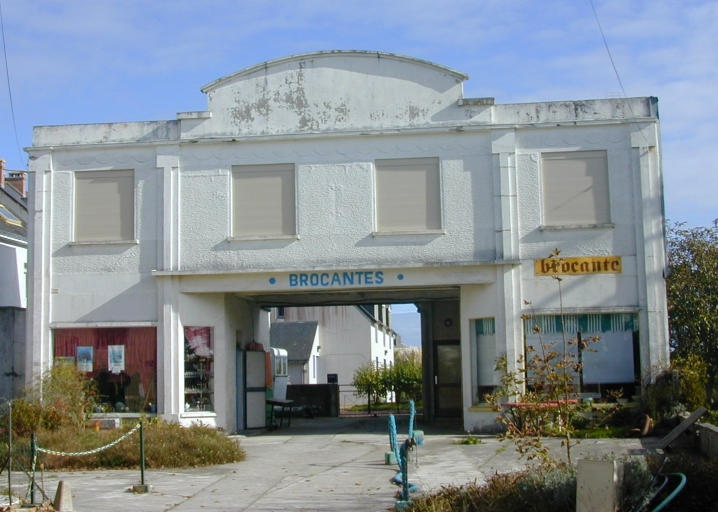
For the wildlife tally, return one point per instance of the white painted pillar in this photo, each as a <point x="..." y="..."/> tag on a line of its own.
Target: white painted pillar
<point x="170" y="351"/>
<point x="650" y="250"/>
<point x="508" y="271"/>
<point x="170" y="338"/>
<point x="38" y="356"/>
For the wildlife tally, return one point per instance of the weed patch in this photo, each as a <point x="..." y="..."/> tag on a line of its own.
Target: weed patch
<point x="167" y="445"/>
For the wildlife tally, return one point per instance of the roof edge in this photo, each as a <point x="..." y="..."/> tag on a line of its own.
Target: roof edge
<point x="300" y="56"/>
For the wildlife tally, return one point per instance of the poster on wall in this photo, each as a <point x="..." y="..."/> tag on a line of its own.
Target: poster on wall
<point x="116" y="358"/>
<point x="84" y="359"/>
<point x="198" y="339"/>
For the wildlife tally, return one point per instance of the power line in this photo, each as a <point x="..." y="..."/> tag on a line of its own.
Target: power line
<point x="608" y="50"/>
<point x="9" y="90"/>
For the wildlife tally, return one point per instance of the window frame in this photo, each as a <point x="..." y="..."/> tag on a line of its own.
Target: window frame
<point x="408" y="162"/>
<point x="259" y="169"/>
<point x="84" y="174"/>
<point x="546" y="223"/>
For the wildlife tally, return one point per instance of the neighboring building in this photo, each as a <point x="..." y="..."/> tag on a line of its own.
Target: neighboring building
<point x="301" y="341"/>
<point x="345" y="177"/>
<point x="13" y="280"/>
<point x="326" y="344"/>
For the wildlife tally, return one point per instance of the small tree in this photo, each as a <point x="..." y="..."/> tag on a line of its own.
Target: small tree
<point x="544" y="383"/>
<point x="407" y="378"/>
<point x="692" y="289"/>
<point x="62" y="397"/>
<point x="370" y="382"/>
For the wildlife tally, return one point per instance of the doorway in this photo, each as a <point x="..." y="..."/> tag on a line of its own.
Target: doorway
<point x="447" y="378"/>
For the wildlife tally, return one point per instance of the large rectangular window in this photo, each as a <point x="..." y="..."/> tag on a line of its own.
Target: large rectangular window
<point x="198" y="369"/>
<point x="610" y="356"/>
<point x="121" y="360"/>
<point x="104" y="206"/>
<point x="408" y="196"/>
<point x="263" y="203"/>
<point x="483" y="358"/>
<point x="575" y="188"/>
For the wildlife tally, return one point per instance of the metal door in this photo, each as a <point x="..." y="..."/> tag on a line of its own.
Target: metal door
<point x="447" y="378"/>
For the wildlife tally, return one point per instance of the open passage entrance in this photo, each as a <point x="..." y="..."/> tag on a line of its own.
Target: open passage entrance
<point x="329" y="342"/>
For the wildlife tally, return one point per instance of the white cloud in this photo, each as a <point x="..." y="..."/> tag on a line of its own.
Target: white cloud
<point x="88" y="61"/>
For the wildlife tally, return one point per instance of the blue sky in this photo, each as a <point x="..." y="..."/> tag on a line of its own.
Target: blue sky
<point x="88" y="61"/>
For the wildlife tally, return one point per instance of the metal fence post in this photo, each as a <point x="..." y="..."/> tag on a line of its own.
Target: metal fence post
<point x="9" y="452"/>
<point x="33" y="455"/>
<point x="142" y="453"/>
<point x="141" y="488"/>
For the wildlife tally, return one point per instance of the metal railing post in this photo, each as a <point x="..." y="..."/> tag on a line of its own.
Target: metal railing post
<point x="33" y="455"/>
<point x="9" y="452"/>
<point x="142" y="453"/>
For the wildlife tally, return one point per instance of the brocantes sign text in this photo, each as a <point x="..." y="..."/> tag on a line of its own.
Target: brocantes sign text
<point x="585" y="265"/>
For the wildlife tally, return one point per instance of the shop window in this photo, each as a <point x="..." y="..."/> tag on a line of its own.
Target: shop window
<point x="122" y="362"/>
<point x="104" y="206"/>
<point x="607" y="362"/>
<point x="408" y="195"/>
<point x="483" y="351"/>
<point x="198" y="369"/>
<point x="263" y="201"/>
<point x="575" y="188"/>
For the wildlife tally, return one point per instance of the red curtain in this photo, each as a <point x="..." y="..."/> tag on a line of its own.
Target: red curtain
<point x="140" y="350"/>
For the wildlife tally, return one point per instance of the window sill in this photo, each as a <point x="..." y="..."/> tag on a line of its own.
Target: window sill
<point x="428" y="232"/>
<point x="198" y="414"/>
<point x="481" y="407"/>
<point x="567" y="227"/>
<point x="104" y="242"/>
<point x="261" y="238"/>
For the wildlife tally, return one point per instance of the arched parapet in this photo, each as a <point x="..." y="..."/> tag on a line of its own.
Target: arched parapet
<point x="329" y="91"/>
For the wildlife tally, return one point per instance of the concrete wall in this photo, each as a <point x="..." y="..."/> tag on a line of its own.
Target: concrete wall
<point x="13" y="276"/>
<point x="12" y="351"/>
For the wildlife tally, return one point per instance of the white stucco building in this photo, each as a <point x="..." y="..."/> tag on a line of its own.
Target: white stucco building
<point x="344" y="178"/>
<point x="13" y="280"/>
<point x="327" y="344"/>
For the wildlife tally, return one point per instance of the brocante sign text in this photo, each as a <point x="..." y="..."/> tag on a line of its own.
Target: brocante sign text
<point x="584" y="265"/>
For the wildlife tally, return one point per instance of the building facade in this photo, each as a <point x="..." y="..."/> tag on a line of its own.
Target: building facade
<point x="345" y="177"/>
<point x="13" y="280"/>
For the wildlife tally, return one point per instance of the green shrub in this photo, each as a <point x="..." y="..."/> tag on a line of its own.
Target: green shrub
<point x="530" y="491"/>
<point x="693" y="380"/>
<point x="63" y="397"/>
<point x="553" y="491"/>
<point x="166" y="445"/>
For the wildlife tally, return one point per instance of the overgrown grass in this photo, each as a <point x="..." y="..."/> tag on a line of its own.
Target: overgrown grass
<point x="606" y="432"/>
<point x="469" y="439"/>
<point x="529" y="491"/>
<point x="523" y="491"/>
<point x="167" y="445"/>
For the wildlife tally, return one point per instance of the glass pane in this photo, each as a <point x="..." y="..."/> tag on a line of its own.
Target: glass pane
<point x="449" y="398"/>
<point x="448" y="367"/>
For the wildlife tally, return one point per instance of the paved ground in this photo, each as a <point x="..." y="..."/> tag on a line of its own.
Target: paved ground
<point x="318" y="464"/>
